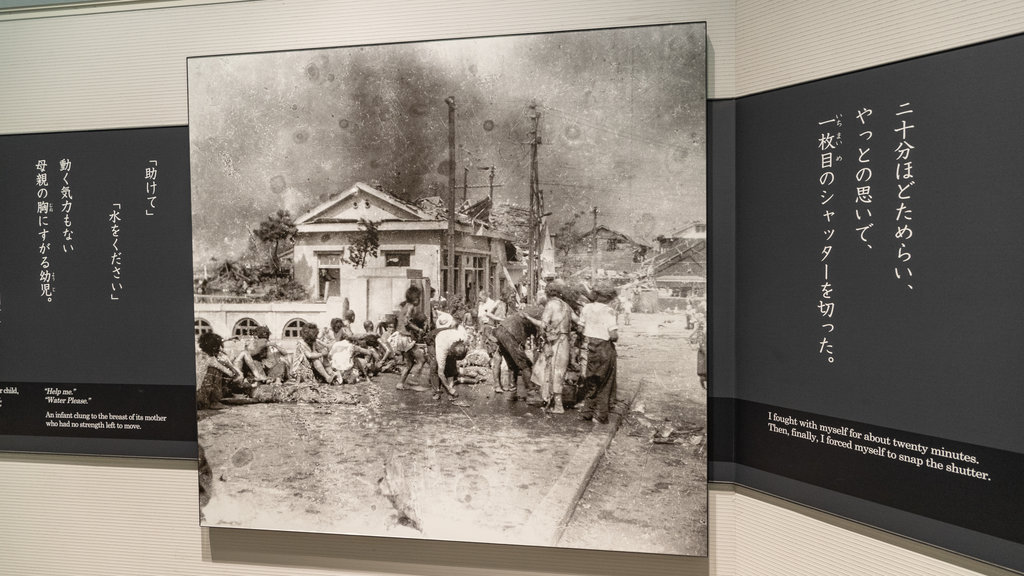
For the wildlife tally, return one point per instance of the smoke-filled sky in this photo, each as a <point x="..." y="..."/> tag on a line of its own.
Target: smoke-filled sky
<point x="622" y="126"/>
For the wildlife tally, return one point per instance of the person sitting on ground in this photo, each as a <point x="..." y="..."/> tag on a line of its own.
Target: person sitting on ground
<point x="254" y="361"/>
<point x="214" y="372"/>
<point x="348" y="321"/>
<point x="389" y="359"/>
<point x="346" y="361"/>
<point x="339" y="328"/>
<point x="331" y="333"/>
<point x="372" y="352"/>
<point x="309" y="362"/>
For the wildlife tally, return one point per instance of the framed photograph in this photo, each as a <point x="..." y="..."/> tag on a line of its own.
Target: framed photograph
<point x="456" y="289"/>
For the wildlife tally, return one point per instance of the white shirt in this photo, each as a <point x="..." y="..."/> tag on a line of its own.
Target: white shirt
<point x="485" y="307"/>
<point x="341" y="355"/>
<point x="443" y="343"/>
<point x="598" y="321"/>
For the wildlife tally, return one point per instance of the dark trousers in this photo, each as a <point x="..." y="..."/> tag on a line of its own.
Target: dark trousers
<point x="519" y="363"/>
<point x="600" y="383"/>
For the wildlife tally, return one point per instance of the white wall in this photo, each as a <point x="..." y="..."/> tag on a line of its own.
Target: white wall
<point x="124" y="66"/>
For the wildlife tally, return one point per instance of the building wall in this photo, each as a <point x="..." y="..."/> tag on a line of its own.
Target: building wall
<point x="364" y="286"/>
<point x="424" y="247"/>
<point x="273" y="315"/>
<point x="123" y="65"/>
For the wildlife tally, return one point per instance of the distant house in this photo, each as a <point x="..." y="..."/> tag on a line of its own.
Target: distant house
<point x="617" y="254"/>
<point x="680" y="264"/>
<point x="413" y="246"/>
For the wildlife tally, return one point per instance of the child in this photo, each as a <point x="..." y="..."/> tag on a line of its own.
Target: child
<point x="409" y="329"/>
<point x="214" y="372"/>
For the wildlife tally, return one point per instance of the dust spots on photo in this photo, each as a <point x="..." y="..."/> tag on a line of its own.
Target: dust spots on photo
<point x="444" y="167"/>
<point x="316" y="70"/>
<point x="344" y="124"/>
<point x="301" y="136"/>
<point x="242" y="457"/>
<point x="677" y="159"/>
<point x="572" y="134"/>
<point x="312" y="71"/>
<point x="473" y="490"/>
<point x="488" y="125"/>
<point x="277" y="184"/>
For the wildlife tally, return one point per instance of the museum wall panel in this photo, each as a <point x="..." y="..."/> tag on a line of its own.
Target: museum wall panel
<point x="124" y="66"/>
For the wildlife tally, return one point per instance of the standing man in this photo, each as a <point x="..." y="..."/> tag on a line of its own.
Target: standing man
<point x="512" y="335"/>
<point x="484" y="314"/>
<point x="499" y="314"/>
<point x="557" y="321"/>
<point x="601" y="331"/>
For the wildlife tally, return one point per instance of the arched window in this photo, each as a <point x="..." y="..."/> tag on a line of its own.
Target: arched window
<point x="291" y="329"/>
<point x="245" y="327"/>
<point x="202" y="327"/>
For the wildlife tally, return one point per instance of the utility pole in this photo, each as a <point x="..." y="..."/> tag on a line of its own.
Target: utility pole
<point x="593" y="253"/>
<point x="490" y="177"/>
<point x="535" y="205"/>
<point x="450" y="288"/>
<point x="490" y="184"/>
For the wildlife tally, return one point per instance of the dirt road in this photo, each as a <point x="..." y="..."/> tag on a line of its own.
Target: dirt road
<point x="373" y="460"/>
<point x="647" y="496"/>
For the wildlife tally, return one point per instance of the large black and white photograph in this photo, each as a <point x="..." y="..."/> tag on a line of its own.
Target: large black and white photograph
<point x="456" y="290"/>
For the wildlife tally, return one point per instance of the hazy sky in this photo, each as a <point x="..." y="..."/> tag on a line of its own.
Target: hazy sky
<point x="622" y="124"/>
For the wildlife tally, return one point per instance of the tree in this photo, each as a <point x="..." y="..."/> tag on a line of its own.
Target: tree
<point x="277" y="228"/>
<point x="365" y="243"/>
<point x="568" y="236"/>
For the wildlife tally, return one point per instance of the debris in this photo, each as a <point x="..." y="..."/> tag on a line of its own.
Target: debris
<point x="303" y="393"/>
<point x="478" y="357"/>
<point x="394" y="486"/>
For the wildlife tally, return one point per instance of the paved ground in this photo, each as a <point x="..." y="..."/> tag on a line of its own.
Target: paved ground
<point x="398" y="463"/>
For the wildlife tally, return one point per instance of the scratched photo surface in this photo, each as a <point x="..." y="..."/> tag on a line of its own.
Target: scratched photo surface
<point x="600" y="136"/>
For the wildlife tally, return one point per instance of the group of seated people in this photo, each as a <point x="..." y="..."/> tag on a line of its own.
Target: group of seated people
<point x="335" y="355"/>
<point x="535" y="344"/>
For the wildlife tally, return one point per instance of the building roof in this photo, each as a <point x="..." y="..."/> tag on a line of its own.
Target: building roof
<point x="336" y="210"/>
<point x="364" y="202"/>
<point x="608" y="231"/>
<point x="695" y="229"/>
